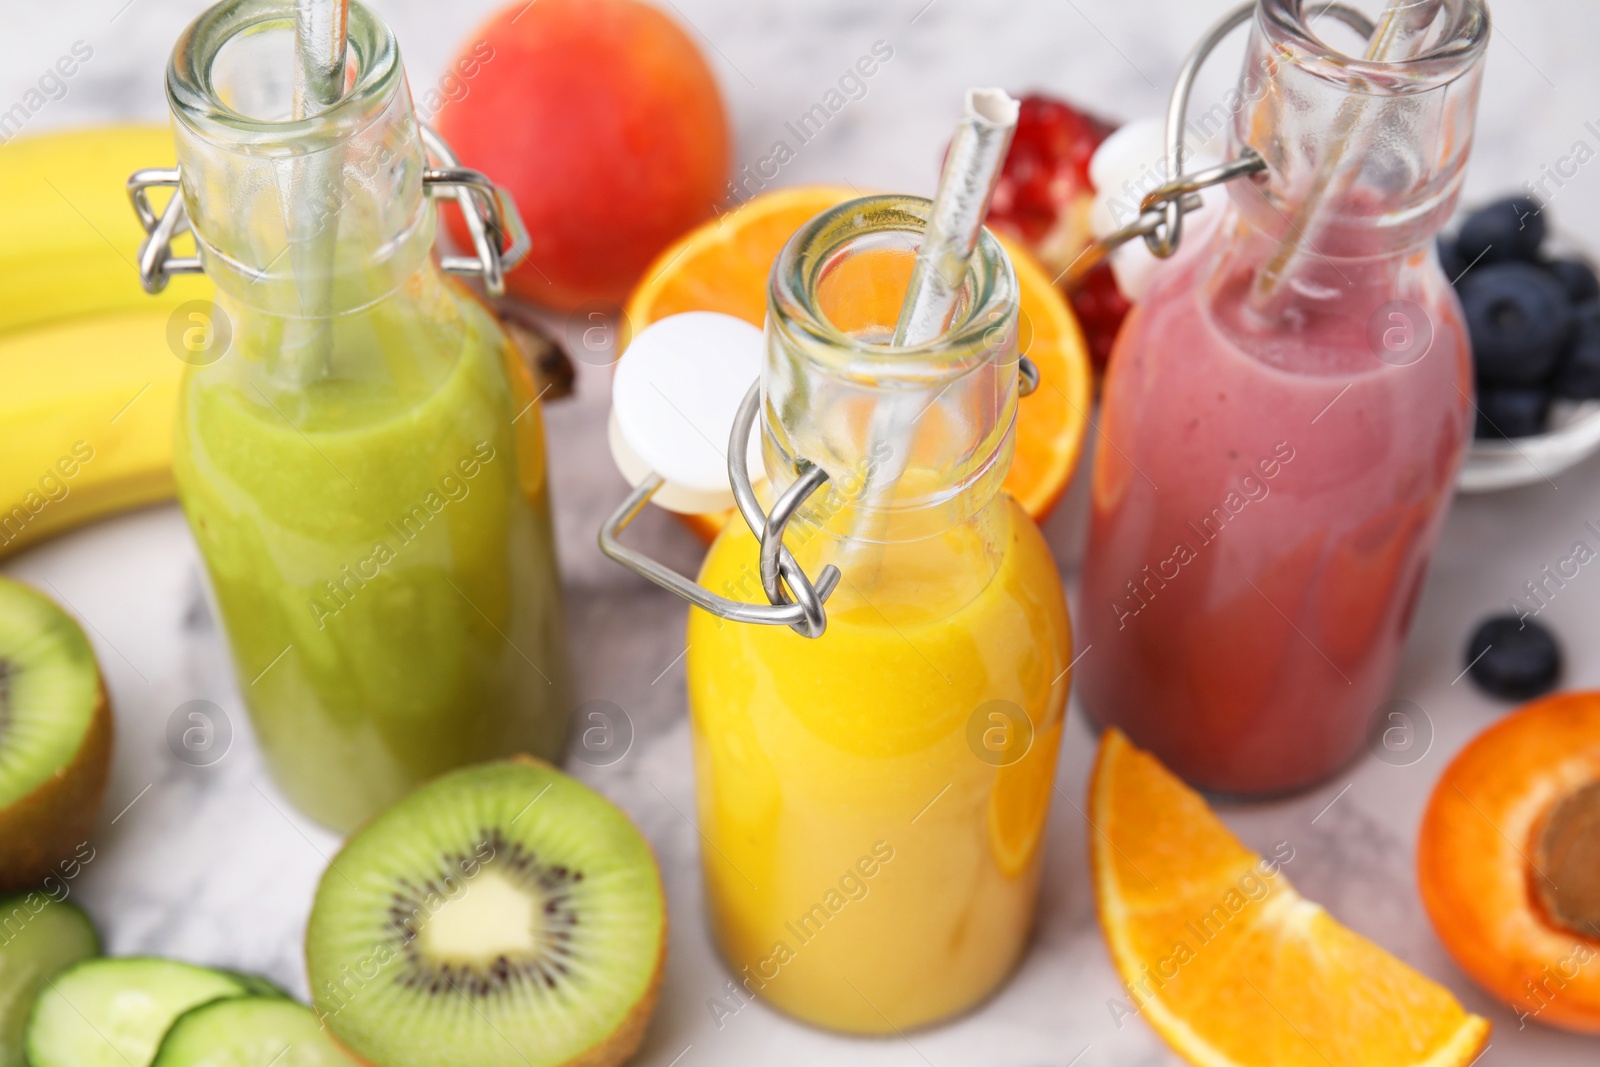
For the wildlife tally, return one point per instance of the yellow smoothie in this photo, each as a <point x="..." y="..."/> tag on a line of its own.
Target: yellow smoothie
<point x="873" y="801"/>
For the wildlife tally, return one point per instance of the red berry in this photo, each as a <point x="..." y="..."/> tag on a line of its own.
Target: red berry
<point x="1043" y="194"/>
<point x="1100" y="307"/>
<point x="1043" y="199"/>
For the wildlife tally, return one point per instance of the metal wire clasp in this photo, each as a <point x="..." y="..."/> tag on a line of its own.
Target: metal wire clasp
<point x="796" y="602"/>
<point x="1161" y="212"/>
<point x="499" y="238"/>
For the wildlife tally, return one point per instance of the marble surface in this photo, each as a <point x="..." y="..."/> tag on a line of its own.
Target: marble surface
<point x="210" y="864"/>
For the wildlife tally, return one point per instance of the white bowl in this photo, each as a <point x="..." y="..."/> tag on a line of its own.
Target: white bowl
<point x="1492" y="464"/>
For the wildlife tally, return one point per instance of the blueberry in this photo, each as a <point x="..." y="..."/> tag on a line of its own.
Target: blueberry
<point x="1519" y="318"/>
<point x="1577" y="277"/>
<point x="1511" y="229"/>
<point x="1579" y="375"/>
<point x="1513" y="658"/>
<point x="1512" y="412"/>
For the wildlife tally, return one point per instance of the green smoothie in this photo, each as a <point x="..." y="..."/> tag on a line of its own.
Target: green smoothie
<point x="379" y="545"/>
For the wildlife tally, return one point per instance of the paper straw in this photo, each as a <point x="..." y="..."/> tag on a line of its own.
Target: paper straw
<point x="319" y="78"/>
<point x="966" y="185"/>
<point x="319" y="54"/>
<point x="955" y="221"/>
<point x="1392" y="41"/>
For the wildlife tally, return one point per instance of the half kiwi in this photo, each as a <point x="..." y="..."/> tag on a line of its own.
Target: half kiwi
<point x="39" y="936"/>
<point x="55" y="737"/>
<point x="250" y="1032"/>
<point x="504" y="915"/>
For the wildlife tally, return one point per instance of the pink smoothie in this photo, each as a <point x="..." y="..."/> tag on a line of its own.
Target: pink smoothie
<point x="1265" y="502"/>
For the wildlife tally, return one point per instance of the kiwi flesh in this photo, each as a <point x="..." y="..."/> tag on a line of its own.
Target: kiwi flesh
<point x="250" y="1032"/>
<point x="504" y="915"/>
<point x="114" y="1012"/>
<point x="55" y="737"/>
<point x="39" y="935"/>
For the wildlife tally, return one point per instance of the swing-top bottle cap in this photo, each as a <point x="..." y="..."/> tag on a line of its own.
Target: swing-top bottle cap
<point x="673" y="400"/>
<point x="1128" y="164"/>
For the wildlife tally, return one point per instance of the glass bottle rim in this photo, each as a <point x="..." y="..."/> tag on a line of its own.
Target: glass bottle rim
<point x="1289" y="26"/>
<point x="193" y="96"/>
<point x="991" y="302"/>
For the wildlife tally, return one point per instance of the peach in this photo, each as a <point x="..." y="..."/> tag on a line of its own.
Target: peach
<point x="603" y="121"/>
<point x="1508" y="861"/>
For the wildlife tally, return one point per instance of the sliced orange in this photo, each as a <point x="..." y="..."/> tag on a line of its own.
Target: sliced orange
<point x="723" y="266"/>
<point x="1229" y="964"/>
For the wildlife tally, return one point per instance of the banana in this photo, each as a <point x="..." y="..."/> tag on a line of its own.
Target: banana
<point x="88" y="381"/>
<point x="70" y="236"/>
<point x="86" y="421"/>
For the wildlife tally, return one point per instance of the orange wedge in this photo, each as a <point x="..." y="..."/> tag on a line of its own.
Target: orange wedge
<point x="1229" y="964"/>
<point x="723" y="266"/>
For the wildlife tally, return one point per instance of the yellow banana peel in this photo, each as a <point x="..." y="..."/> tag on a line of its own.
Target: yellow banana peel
<point x="71" y="238"/>
<point x="86" y="422"/>
<point x="88" y="381"/>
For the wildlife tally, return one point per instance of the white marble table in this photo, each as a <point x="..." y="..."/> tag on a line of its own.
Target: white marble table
<point x="210" y="864"/>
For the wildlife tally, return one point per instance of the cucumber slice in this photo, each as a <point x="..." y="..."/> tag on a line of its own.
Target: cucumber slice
<point x="38" y="937"/>
<point x="250" y="1032"/>
<point x="257" y="986"/>
<point x="114" y="1012"/>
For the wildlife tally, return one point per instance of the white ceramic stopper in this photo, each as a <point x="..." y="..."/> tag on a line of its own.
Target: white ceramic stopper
<point x="1127" y="165"/>
<point x="676" y="391"/>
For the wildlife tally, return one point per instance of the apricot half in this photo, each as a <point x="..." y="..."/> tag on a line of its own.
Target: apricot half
<point x="1508" y="861"/>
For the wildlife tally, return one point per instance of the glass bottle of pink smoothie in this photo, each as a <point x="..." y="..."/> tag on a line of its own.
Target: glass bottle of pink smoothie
<point x="1285" y="413"/>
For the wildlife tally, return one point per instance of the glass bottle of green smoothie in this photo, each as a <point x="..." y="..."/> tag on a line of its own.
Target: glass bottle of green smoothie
<point x="363" y="464"/>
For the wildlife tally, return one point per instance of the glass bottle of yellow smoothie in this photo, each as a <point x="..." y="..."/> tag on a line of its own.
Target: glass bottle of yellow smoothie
<point x="363" y="464"/>
<point x="873" y="800"/>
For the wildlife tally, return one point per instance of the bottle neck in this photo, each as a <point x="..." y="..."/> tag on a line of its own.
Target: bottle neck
<point x="916" y="440"/>
<point x="298" y="217"/>
<point x="1366" y="148"/>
